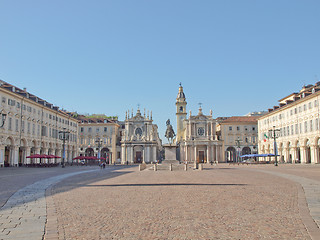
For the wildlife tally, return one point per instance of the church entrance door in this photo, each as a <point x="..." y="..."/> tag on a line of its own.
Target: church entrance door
<point x="201" y="156"/>
<point x="138" y="157"/>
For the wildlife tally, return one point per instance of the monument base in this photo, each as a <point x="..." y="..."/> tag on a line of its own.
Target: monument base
<point x="170" y="152"/>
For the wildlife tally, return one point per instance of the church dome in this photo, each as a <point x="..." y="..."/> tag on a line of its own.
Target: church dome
<point x="181" y="93"/>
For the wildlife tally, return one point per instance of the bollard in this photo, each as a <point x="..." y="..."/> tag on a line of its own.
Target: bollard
<point x="155" y="167"/>
<point x="170" y="167"/>
<point x="186" y="167"/>
<point x="200" y="167"/>
<point x="139" y="167"/>
<point x="195" y="165"/>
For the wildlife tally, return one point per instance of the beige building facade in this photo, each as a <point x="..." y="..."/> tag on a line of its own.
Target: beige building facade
<point x="99" y="135"/>
<point x="296" y="124"/>
<point x="32" y="126"/>
<point x="239" y="135"/>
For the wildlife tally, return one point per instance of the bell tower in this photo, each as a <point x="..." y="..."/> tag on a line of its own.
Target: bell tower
<point x="181" y="113"/>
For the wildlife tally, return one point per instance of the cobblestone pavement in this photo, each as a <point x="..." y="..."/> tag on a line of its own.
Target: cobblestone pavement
<point x="220" y="202"/>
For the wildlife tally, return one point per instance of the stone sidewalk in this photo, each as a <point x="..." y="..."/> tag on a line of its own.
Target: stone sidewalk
<point x="25" y="213"/>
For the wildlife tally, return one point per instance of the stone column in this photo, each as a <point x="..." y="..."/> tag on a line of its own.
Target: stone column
<point x="195" y="153"/>
<point x="303" y="151"/>
<point x="132" y="154"/>
<point x="313" y="152"/>
<point x="208" y="153"/>
<point x="2" y="150"/>
<point x="123" y="154"/>
<point x="15" y="156"/>
<point x="154" y="153"/>
<point x="217" y="153"/>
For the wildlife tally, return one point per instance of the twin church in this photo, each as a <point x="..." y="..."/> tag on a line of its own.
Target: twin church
<point x="196" y="134"/>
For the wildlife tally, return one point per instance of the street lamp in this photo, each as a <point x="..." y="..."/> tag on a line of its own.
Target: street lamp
<point x="63" y="135"/>
<point x="3" y="119"/>
<point x="99" y="143"/>
<point x="238" y="141"/>
<point x="274" y="136"/>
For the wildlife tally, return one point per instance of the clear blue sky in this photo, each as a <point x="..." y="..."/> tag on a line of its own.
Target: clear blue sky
<point x="102" y="56"/>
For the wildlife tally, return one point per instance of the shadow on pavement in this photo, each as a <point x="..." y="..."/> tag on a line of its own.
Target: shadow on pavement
<point x="165" y="184"/>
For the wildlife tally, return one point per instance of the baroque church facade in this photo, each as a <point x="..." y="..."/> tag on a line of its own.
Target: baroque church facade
<point x="196" y="135"/>
<point x="140" y="142"/>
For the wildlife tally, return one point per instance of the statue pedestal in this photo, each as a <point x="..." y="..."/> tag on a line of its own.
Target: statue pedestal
<point x="170" y="152"/>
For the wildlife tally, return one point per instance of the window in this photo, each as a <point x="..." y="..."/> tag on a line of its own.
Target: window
<point x="89" y="129"/>
<point x="299" y="109"/>
<point x="10" y="123"/>
<point x="97" y="129"/>
<point x="18" y="105"/>
<point x="292" y="130"/>
<point x="253" y="128"/>
<point x="138" y="131"/>
<point x="81" y="129"/>
<point x="22" y="126"/>
<point x="33" y="129"/>
<point x="317" y="124"/>
<point x="44" y="131"/>
<point x="300" y="128"/>
<point x="311" y="126"/>
<point x="305" y="126"/>
<point x="200" y="131"/>
<point x="105" y="129"/>
<point x="245" y="128"/>
<point x="38" y="133"/>
<point x="296" y="127"/>
<point x="230" y="128"/>
<point x="17" y="125"/>
<point x="310" y="105"/>
<point x="253" y="139"/>
<point x="28" y="127"/>
<point x="315" y="103"/>
<point x="246" y="139"/>
<point x="304" y="107"/>
<point x="3" y="100"/>
<point x="288" y="131"/>
<point x="238" y="128"/>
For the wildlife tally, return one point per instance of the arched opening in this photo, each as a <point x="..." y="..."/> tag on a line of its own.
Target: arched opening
<point x="231" y="154"/>
<point x="8" y="152"/>
<point x="105" y="153"/>
<point x="298" y="153"/>
<point x="138" y="154"/>
<point x="89" y="152"/>
<point x="246" y="150"/>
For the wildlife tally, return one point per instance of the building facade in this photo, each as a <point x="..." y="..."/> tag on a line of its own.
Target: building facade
<point x="140" y="142"/>
<point x="295" y="123"/>
<point x="99" y="135"/>
<point x="239" y="135"/>
<point x="196" y="135"/>
<point x="32" y="126"/>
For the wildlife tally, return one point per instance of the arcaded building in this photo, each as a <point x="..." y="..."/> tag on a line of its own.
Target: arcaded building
<point x="32" y="126"/>
<point x="296" y="124"/>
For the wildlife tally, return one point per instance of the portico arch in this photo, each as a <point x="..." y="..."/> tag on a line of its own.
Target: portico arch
<point x="231" y="154"/>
